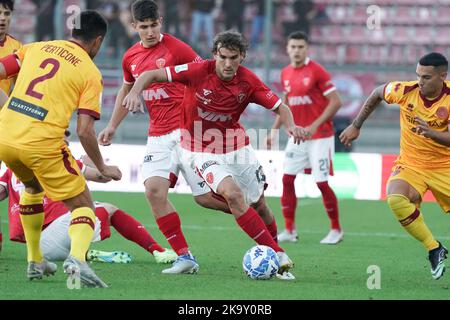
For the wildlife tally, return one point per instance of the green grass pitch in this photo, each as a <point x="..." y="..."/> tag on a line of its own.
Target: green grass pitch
<point x="372" y="237"/>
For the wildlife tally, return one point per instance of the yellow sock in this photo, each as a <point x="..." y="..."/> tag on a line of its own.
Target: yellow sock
<point x="32" y="218"/>
<point x="81" y="231"/>
<point x="412" y="220"/>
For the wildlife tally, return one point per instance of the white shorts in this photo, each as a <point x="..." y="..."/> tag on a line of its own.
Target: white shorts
<point x="315" y="154"/>
<point x="242" y="165"/>
<point x="162" y="159"/>
<point x="55" y="240"/>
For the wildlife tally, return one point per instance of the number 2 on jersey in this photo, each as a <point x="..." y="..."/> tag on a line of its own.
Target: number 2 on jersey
<point x="55" y="67"/>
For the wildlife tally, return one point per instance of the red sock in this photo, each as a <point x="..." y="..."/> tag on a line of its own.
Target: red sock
<point x="272" y="227"/>
<point x="330" y="203"/>
<point x="254" y="226"/>
<point x="170" y="226"/>
<point x="289" y="202"/>
<point x="133" y="230"/>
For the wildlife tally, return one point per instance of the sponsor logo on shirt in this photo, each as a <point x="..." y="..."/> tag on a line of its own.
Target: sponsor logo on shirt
<point x="306" y="81"/>
<point x="299" y="100"/>
<point x="206" y="92"/>
<point x="410" y="107"/>
<point x="158" y="94"/>
<point x="211" y="116"/>
<point x="181" y="68"/>
<point x="133" y="67"/>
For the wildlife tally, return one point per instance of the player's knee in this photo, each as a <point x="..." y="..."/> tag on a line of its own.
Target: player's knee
<point x="234" y="196"/>
<point x="400" y="205"/>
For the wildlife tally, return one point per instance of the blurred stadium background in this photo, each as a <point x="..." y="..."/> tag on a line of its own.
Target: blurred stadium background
<point x="358" y="58"/>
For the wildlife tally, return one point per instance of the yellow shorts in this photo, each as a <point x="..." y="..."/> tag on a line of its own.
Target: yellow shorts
<point x="56" y="170"/>
<point x="437" y="181"/>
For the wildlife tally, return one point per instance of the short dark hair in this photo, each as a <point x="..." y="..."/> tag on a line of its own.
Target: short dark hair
<point x="231" y="40"/>
<point x="8" y="4"/>
<point x="142" y="10"/>
<point x="92" y="25"/>
<point x="434" y="59"/>
<point x="298" y="35"/>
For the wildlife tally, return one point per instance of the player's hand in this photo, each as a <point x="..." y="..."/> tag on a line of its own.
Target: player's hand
<point x="422" y="127"/>
<point x="348" y="135"/>
<point x="105" y="136"/>
<point x="298" y="133"/>
<point x="112" y="172"/>
<point x="132" y="102"/>
<point x="269" y="141"/>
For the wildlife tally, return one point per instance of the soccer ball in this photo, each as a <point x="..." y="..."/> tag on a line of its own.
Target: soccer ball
<point x="260" y="263"/>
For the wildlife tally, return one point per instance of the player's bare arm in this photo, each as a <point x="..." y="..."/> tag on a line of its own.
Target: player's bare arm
<point x="334" y="105"/>
<point x="352" y="131"/>
<point x="287" y="120"/>
<point x="132" y="101"/>
<point x="88" y="139"/>
<point x="106" y="135"/>
<point x="3" y="98"/>
<point x="441" y="137"/>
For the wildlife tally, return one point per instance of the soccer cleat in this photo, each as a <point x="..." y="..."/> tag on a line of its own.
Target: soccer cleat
<point x="437" y="257"/>
<point x="185" y="263"/>
<point x="108" y="257"/>
<point x="167" y="256"/>
<point x="333" y="237"/>
<point x="36" y="270"/>
<point x="287" y="236"/>
<point x="285" y="276"/>
<point x="73" y="267"/>
<point x="285" y="262"/>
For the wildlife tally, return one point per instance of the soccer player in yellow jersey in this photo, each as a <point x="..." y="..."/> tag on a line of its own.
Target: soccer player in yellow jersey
<point x="8" y="45"/>
<point x="424" y="161"/>
<point x="54" y="79"/>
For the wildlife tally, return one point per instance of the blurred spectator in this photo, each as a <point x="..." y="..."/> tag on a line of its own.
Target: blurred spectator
<point x="45" y="29"/>
<point x="117" y="39"/>
<point x="202" y="19"/>
<point x="171" y="18"/>
<point x="234" y="14"/>
<point x="258" y="23"/>
<point x="305" y="12"/>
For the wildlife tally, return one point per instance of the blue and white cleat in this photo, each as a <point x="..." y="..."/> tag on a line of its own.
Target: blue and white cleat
<point x="108" y="257"/>
<point x="185" y="263"/>
<point x="167" y="256"/>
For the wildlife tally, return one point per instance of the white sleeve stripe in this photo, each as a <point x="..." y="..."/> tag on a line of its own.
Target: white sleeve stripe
<point x="126" y="82"/>
<point x="329" y="91"/>
<point x="276" y="104"/>
<point x="169" y="75"/>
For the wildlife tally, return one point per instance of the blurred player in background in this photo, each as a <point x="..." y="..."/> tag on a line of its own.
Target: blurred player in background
<point x="313" y="100"/>
<point x="8" y="45"/>
<point x="424" y="160"/>
<point x="162" y="162"/>
<point x="214" y="141"/>
<point x="55" y="78"/>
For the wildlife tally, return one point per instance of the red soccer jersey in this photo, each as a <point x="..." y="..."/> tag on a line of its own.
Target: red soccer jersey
<point x="163" y="100"/>
<point x="53" y="210"/>
<point x="212" y="107"/>
<point x="306" y="88"/>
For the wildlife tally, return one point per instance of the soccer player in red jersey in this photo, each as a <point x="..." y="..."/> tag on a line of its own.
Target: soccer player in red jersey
<point x="162" y="164"/>
<point x="218" y="91"/>
<point x="313" y="100"/>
